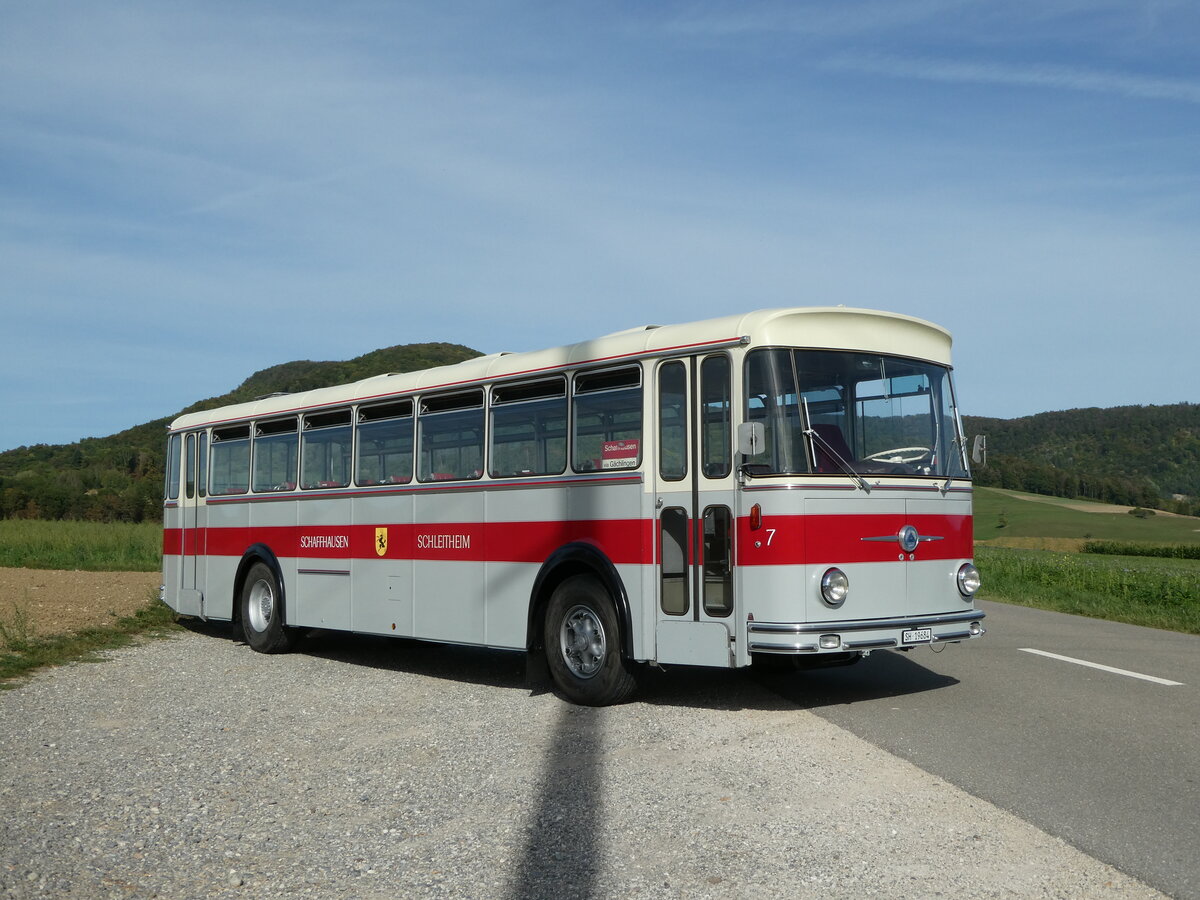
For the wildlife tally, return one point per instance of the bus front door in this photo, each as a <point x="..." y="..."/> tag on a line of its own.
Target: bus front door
<point x="694" y="494"/>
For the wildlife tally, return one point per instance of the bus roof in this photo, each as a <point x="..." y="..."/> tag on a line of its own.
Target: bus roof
<point x="824" y="327"/>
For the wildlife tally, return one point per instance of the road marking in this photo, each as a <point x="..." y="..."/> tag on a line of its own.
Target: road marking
<point x="1084" y="662"/>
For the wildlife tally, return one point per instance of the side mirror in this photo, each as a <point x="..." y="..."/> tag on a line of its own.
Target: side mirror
<point x="979" y="450"/>
<point x="752" y="438"/>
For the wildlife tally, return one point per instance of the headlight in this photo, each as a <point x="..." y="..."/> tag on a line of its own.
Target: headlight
<point x="834" y="587"/>
<point x="968" y="580"/>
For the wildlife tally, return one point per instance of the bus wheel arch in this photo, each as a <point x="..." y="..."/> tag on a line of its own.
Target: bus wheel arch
<point x="260" y="603"/>
<point x="578" y="558"/>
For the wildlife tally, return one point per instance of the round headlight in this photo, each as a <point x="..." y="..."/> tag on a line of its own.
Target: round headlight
<point x="834" y="587"/>
<point x="968" y="580"/>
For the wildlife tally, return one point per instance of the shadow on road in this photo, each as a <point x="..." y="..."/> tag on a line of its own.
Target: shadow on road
<point x="884" y="674"/>
<point x="562" y="849"/>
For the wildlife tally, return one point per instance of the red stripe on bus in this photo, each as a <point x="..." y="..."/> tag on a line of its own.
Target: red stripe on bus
<point x="621" y="540"/>
<point x="832" y="540"/>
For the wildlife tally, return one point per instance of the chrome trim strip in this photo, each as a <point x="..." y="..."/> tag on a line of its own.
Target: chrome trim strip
<point x="863" y="624"/>
<point x="783" y="648"/>
<point x="895" y="538"/>
<point x="749" y="485"/>
<point x="869" y="645"/>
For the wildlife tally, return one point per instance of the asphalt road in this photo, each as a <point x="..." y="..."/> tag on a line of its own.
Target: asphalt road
<point x="1107" y="761"/>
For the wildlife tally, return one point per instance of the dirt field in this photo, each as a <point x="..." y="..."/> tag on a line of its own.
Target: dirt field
<point x="53" y="602"/>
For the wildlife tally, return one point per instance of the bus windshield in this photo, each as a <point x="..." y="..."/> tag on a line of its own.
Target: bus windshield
<point x="832" y="411"/>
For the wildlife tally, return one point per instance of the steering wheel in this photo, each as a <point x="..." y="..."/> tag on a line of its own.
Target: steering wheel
<point x="902" y="455"/>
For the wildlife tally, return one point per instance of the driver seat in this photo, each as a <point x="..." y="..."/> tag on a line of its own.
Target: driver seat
<point x="831" y="435"/>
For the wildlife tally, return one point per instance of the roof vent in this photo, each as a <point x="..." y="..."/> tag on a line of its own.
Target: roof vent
<point x="637" y="330"/>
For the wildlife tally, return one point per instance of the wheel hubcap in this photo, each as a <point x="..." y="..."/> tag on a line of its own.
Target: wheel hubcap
<point x="581" y="639"/>
<point x="262" y="605"/>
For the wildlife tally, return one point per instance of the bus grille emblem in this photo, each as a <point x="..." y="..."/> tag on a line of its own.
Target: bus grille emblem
<point x="380" y="541"/>
<point x="908" y="538"/>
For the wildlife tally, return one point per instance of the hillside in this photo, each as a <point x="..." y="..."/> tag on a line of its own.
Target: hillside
<point x="1133" y="455"/>
<point x="119" y="478"/>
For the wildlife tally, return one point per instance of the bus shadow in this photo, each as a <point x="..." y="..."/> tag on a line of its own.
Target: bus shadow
<point x="882" y="675"/>
<point x="449" y="662"/>
<point x="452" y="662"/>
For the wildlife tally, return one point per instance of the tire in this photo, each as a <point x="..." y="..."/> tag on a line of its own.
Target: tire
<point x="262" y="611"/>
<point x="583" y="644"/>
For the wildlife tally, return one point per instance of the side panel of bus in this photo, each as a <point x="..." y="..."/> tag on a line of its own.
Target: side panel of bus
<point x="230" y="520"/>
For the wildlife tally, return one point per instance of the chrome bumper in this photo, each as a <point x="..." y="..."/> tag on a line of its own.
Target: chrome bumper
<point x="864" y="634"/>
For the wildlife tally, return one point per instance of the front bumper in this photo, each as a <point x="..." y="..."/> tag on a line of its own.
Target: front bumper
<point x="792" y="638"/>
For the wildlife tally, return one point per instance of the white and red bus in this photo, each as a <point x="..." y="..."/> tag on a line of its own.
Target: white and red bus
<point x="787" y="483"/>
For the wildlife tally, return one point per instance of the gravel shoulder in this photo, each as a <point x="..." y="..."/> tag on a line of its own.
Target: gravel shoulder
<point x="374" y="768"/>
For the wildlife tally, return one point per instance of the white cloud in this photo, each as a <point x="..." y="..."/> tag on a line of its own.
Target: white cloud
<point x="1029" y="75"/>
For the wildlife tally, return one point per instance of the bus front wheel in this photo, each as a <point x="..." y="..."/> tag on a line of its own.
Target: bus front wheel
<point x="262" y="611"/>
<point x="583" y="644"/>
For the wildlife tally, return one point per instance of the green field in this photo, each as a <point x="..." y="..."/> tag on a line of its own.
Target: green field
<point x="1027" y="552"/>
<point x="1001" y="516"/>
<point x="86" y="546"/>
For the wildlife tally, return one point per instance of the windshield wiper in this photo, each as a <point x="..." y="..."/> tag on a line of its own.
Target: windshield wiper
<point x="812" y="435"/>
<point x="960" y="441"/>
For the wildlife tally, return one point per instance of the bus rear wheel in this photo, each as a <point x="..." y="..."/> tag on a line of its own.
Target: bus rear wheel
<point x="262" y="611"/>
<point x="583" y="644"/>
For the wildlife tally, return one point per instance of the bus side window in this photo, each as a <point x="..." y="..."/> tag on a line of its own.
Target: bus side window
<point x="230" y="468"/>
<point x="189" y="467"/>
<point x="325" y="450"/>
<point x="171" y="487"/>
<point x="385" y="443"/>
<point x="529" y="429"/>
<point x="716" y="409"/>
<point x="672" y="421"/>
<point x="450" y="436"/>
<point x="202" y="458"/>
<point x="718" y="561"/>
<point x="607" y="416"/>
<point x="275" y="452"/>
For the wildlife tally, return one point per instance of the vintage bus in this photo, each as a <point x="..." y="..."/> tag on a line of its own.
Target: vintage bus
<point x="786" y="484"/>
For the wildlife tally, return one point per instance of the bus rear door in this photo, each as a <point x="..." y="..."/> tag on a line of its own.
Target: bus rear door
<point x="193" y="522"/>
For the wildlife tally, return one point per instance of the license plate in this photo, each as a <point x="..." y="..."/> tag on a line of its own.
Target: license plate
<point x="917" y="636"/>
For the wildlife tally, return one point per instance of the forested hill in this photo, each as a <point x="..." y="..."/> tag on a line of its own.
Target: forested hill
<point x="1134" y="455"/>
<point x="119" y="478"/>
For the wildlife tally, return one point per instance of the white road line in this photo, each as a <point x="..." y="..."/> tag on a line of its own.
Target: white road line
<point x="1084" y="662"/>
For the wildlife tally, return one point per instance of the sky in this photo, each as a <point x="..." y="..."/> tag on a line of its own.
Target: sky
<point x="192" y="192"/>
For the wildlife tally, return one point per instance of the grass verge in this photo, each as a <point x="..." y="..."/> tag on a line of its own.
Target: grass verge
<point x="1155" y="593"/>
<point x="22" y="652"/>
